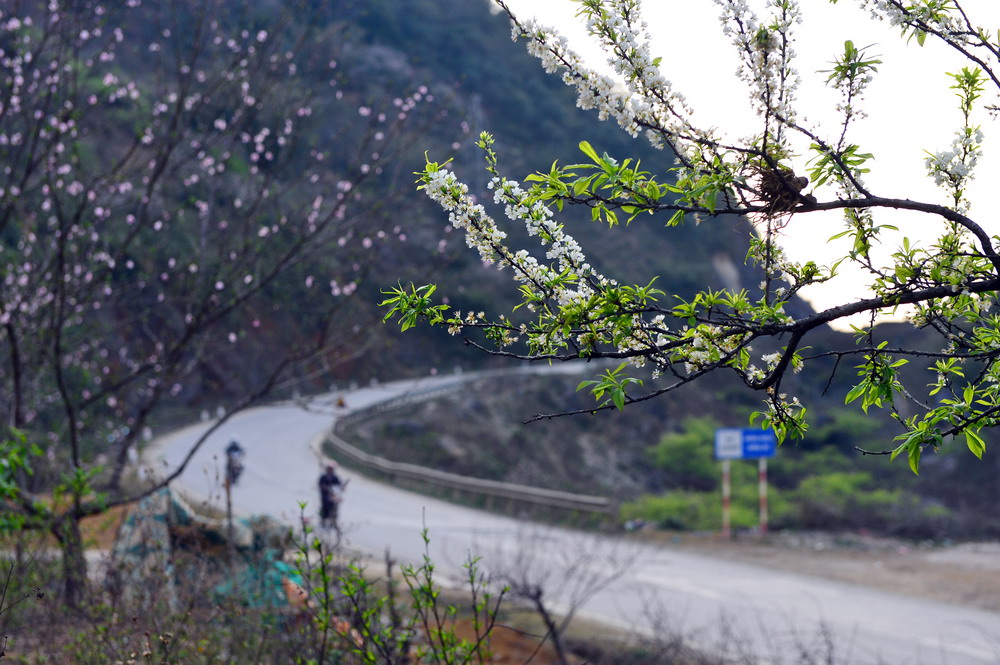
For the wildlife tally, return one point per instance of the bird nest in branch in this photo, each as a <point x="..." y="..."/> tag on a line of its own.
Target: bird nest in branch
<point x="780" y="190"/>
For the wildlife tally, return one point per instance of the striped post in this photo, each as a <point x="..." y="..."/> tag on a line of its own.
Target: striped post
<point x="762" y="488"/>
<point x="725" y="499"/>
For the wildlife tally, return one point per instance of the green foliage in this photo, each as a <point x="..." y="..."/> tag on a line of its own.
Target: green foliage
<point x="687" y="456"/>
<point x="685" y="511"/>
<point x="635" y="191"/>
<point x="442" y="644"/>
<point x="387" y="629"/>
<point x="843" y="430"/>
<point x="814" y="486"/>
<point x="970" y="83"/>
<point x="828" y="165"/>
<point x="702" y="511"/>
<point x="878" y="380"/>
<point x="787" y="471"/>
<point x="848" y="500"/>
<point x="16" y="456"/>
<point x="413" y="305"/>
<point x="612" y="383"/>
<point x="832" y="500"/>
<point x="853" y="64"/>
<point x="342" y="614"/>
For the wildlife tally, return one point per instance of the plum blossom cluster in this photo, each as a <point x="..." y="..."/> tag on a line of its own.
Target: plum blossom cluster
<point x="483" y="234"/>
<point x="645" y="100"/>
<point x="654" y="103"/>
<point x="707" y="346"/>
<point x="570" y="284"/>
<point x="926" y="15"/>
<point x="537" y="218"/>
<point x="594" y="90"/>
<point x="646" y="103"/>
<point x="765" y="57"/>
<point x="783" y="277"/>
<point x="650" y="102"/>
<point x="953" y="168"/>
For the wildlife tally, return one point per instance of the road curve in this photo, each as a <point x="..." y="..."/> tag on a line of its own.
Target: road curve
<point x="723" y="605"/>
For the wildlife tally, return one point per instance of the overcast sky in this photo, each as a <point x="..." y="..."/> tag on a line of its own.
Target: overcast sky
<point x="910" y="106"/>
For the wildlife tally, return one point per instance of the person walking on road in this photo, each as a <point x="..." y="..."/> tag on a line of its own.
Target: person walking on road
<point x="330" y="487"/>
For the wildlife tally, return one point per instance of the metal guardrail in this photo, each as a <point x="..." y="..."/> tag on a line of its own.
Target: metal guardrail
<point x="406" y="399"/>
<point x="453" y="385"/>
<point x="490" y="488"/>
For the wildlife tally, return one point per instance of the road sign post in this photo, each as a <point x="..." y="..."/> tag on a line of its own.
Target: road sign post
<point x="730" y="444"/>
<point x="726" y="493"/>
<point x="762" y="493"/>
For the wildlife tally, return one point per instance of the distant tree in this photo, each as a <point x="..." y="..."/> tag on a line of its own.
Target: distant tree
<point x="569" y="310"/>
<point x="174" y="177"/>
<point x="545" y="577"/>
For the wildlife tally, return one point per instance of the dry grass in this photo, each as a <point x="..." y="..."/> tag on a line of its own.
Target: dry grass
<point x="99" y="531"/>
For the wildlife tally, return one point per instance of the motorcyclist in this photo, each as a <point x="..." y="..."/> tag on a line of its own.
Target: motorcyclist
<point x="234" y="461"/>
<point x="330" y="485"/>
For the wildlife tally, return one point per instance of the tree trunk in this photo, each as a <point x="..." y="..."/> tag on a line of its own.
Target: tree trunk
<point x="554" y="633"/>
<point x="67" y="532"/>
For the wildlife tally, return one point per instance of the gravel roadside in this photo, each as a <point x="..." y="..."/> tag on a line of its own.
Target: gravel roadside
<point x="964" y="574"/>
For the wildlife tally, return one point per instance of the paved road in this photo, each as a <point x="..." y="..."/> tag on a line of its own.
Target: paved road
<point x="720" y="604"/>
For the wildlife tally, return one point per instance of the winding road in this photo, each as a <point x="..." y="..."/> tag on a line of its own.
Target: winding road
<point x="720" y="605"/>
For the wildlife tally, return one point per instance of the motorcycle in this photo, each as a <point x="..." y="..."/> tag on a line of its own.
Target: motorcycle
<point x="234" y="467"/>
<point x="330" y="507"/>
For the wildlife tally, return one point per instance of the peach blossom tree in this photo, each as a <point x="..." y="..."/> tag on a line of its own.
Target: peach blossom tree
<point x="179" y="179"/>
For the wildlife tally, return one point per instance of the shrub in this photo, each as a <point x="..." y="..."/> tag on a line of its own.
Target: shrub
<point x="686" y="456"/>
<point x="854" y="500"/>
<point x="686" y="511"/>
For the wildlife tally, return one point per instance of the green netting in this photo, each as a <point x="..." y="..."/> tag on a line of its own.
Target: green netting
<point x="248" y="552"/>
<point x="259" y="583"/>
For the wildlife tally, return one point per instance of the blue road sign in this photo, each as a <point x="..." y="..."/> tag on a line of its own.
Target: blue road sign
<point x="732" y="443"/>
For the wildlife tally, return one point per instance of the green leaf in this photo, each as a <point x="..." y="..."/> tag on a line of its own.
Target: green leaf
<point x="589" y="151"/>
<point x="975" y="443"/>
<point x="898" y="449"/>
<point x="913" y="457"/>
<point x="856" y="392"/>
